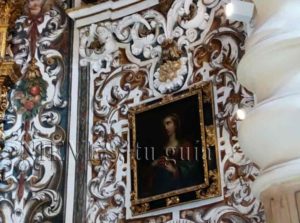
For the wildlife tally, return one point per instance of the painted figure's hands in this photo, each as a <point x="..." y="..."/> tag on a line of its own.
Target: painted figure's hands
<point x="167" y="164"/>
<point x="161" y="161"/>
<point x="171" y="167"/>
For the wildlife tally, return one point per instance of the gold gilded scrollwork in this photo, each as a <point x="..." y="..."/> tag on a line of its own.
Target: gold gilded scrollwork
<point x="207" y="94"/>
<point x="210" y="135"/>
<point x="214" y="188"/>
<point x="171" y="61"/>
<point x="140" y="208"/>
<point x="133" y="196"/>
<point x="172" y="201"/>
<point x="10" y="10"/>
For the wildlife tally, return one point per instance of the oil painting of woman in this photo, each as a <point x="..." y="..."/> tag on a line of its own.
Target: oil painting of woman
<point x="169" y="146"/>
<point x="176" y="167"/>
<point x="173" y="153"/>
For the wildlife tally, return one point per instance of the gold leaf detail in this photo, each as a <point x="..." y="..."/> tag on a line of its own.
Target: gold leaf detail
<point x="168" y="70"/>
<point x="138" y="209"/>
<point x="172" y="200"/>
<point x="210" y="135"/>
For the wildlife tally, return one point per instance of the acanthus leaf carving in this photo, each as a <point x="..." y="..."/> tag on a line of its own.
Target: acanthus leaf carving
<point x="32" y="162"/>
<point x="153" y="54"/>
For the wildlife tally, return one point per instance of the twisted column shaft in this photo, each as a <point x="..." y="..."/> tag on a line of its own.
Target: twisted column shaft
<point x="270" y="134"/>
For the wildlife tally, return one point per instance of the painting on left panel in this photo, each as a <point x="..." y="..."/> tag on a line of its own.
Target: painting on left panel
<point x="33" y="160"/>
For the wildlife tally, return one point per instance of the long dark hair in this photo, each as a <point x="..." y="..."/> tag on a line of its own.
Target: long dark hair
<point x="176" y="119"/>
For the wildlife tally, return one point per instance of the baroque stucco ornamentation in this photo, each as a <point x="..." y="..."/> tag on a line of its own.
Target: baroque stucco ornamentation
<point x="128" y="66"/>
<point x="31" y="161"/>
<point x="165" y="218"/>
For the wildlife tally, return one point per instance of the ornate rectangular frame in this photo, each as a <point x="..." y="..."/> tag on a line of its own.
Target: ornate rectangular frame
<point x="211" y="187"/>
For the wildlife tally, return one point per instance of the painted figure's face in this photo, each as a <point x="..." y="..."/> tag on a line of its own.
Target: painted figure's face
<point x="169" y="125"/>
<point x="35" y="6"/>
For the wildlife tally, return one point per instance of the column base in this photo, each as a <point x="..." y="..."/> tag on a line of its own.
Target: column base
<point x="276" y="175"/>
<point x="282" y="202"/>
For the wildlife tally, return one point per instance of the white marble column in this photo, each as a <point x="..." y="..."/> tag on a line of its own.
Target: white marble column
<point x="270" y="135"/>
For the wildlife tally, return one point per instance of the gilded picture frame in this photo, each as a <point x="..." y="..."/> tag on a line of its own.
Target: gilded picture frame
<point x="173" y="150"/>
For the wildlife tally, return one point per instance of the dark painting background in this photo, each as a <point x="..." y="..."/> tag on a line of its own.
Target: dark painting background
<point x="150" y="133"/>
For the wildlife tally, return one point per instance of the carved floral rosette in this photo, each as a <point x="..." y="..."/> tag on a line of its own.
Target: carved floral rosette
<point x="149" y="55"/>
